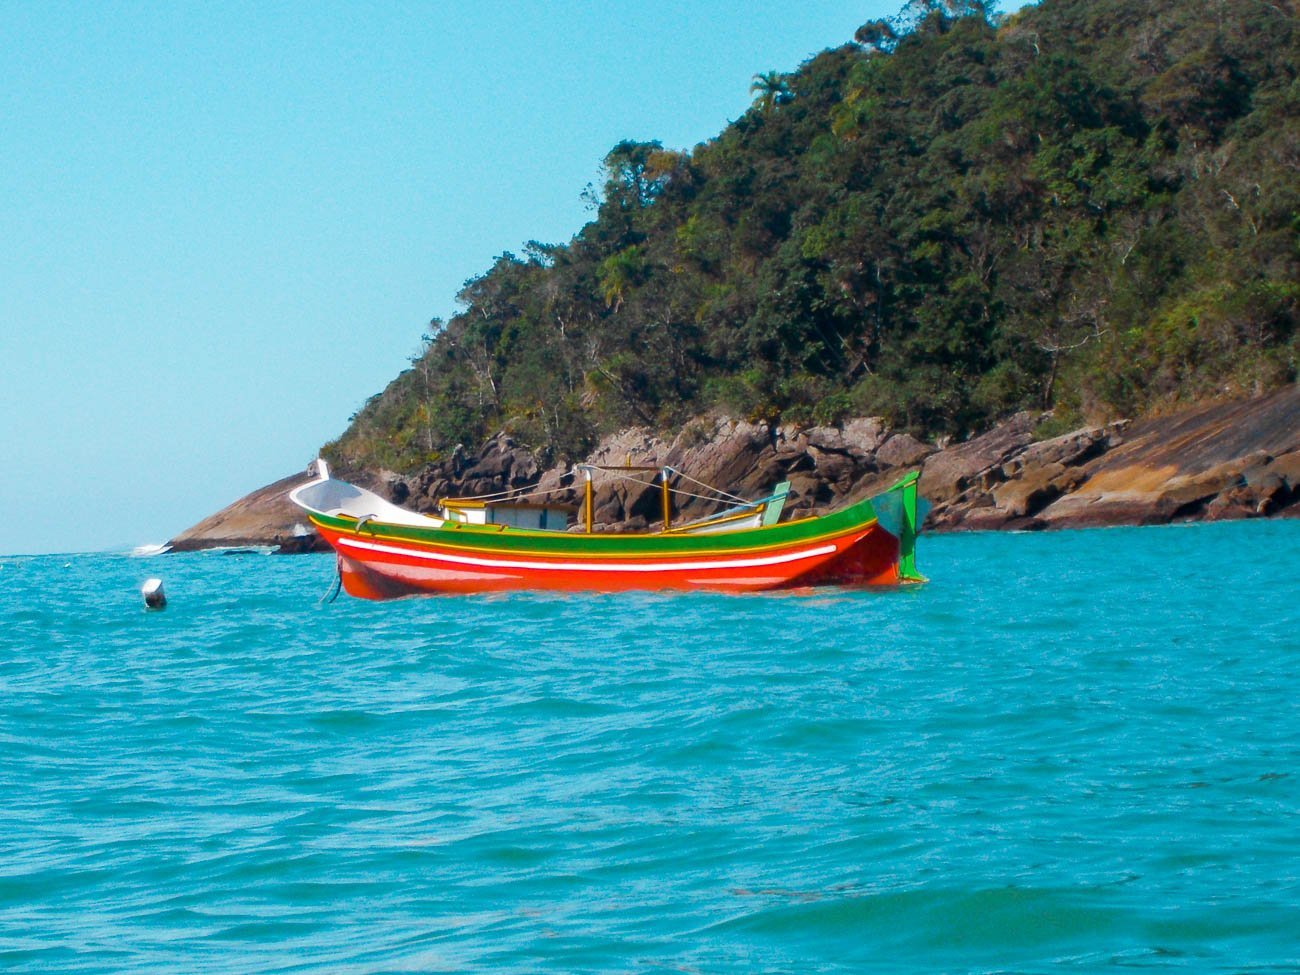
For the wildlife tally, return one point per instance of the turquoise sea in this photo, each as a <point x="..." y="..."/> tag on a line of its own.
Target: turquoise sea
<point x="1068" y="752"/>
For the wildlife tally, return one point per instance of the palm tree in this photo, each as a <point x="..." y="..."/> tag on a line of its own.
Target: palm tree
<point x="771" y="90"/>
<point x="618" y="274"/>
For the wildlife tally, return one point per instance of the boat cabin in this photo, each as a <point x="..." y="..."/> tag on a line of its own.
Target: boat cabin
<point x="516" y="514"/>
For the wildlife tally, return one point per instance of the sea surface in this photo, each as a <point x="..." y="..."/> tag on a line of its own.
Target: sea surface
<point x="1067" y="752"/>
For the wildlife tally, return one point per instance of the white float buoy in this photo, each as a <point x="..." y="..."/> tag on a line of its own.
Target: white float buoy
<point x="152" y="591"/>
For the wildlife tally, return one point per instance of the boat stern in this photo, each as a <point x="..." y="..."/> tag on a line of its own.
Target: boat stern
<point x="901" y="511"/>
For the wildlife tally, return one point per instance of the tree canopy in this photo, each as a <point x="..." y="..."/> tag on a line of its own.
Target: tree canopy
<point x="1091" y="206"/>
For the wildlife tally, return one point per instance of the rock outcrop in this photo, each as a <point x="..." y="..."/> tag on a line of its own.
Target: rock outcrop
<point x="1230" y="460"/>
<point x="265" y="517"/>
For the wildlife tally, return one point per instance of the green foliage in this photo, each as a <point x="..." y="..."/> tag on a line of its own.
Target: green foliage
<point x="1090" y="206"/>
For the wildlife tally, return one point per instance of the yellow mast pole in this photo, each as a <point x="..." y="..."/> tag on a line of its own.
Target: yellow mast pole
<point x="667" y="497"/>
<point x="586" y="496"/>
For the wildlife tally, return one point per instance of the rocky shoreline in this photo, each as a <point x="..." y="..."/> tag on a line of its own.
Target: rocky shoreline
<point x="1215" y="462"/>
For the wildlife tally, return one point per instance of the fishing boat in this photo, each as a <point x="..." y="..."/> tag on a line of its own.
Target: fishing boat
<point x="498" y="543"/>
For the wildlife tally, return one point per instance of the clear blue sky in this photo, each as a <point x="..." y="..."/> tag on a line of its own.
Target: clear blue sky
<point x="224" y="226"/>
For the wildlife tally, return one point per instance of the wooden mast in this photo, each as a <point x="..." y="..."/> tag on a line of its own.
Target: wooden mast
<point x="666" y="495"/>
<point x="586" y="497"/>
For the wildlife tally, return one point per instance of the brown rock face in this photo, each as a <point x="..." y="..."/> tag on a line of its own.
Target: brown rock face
<point x="1173" y="468"/>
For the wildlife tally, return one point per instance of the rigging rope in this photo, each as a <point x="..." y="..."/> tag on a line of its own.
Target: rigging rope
<point x="674" y="490"/>
<point x="687" y="477"/>
<point x="519" y="494"/>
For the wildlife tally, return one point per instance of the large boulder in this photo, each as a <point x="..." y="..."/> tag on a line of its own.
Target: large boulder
<point x="1287" y="467"/>
<point x="501" y="462"/>
<point x="865" y="434"/>
<point x="1038" y="487"/>
<point x="732" y="455"/>
<point x="1069" y="449"/>
<point x="949" y="473"/>
<point x="902" y="450"/>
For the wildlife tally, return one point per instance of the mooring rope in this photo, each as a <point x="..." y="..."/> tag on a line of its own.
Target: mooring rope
<point x="335" y="586"/>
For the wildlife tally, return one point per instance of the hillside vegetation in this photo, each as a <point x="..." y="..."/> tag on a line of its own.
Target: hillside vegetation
<point x="1091" y="206"/>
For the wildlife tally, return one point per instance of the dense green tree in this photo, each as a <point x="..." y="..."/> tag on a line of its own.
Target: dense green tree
<point x="1090" y="205"/>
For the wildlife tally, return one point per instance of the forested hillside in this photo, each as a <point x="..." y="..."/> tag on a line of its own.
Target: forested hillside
<point x="1091" y="206"/>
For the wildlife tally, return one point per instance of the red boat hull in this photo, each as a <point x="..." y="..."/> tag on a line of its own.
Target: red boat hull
<point x="375" y="569"/>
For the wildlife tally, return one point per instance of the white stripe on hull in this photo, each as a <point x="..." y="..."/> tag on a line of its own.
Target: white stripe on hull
<point x="603" y="566"/>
